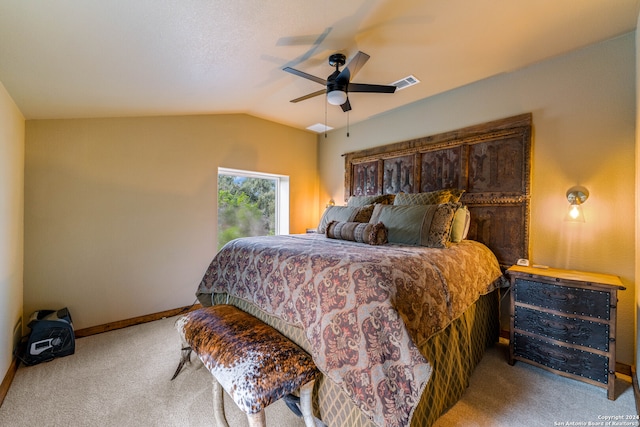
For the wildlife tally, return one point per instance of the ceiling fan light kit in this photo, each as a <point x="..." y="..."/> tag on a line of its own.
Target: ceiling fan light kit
<point x="336" y="97"/>
<point x="338" y="84"/>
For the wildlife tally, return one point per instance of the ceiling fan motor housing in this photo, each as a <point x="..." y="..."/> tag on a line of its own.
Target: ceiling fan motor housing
<point x="337" y="60"/>
<point x="334" y="83"/>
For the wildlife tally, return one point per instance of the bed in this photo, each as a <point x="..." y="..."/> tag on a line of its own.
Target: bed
<point x="395" y="328"/>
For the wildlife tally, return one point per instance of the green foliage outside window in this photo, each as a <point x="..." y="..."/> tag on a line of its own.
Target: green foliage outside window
<point x="246" y="207"/>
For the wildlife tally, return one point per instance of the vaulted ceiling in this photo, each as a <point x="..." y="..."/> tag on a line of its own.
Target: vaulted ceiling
<point x="97" y="58"/>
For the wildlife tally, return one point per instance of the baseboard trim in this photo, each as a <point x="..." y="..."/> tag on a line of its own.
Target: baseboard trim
<point x="624" y="369"/>
<point x="93" y="330"/>
<point x="8" y="379"/>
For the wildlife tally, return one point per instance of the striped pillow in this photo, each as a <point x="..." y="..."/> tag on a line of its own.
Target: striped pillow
<point x="372" y="234"/>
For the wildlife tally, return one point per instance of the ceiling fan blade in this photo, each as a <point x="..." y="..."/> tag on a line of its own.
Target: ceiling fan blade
<point x="352" y="68"/>
<point x="346" y="106"/>
<point x="314" y="40"/>
<point x="310" y="95"/>
<point x="305" y="75"/>
<point x="361" y="87"/>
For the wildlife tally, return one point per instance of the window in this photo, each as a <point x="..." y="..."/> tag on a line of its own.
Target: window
<point x="251" y="204"/>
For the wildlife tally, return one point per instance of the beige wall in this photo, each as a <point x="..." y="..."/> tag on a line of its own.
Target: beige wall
<point x="120" y="214"/>
<point x="583" y="106"/>
<point x="11" y="225"/>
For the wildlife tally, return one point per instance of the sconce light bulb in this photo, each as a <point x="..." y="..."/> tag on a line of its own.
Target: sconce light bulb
<point x="574" y="213"/>
<point x="576" y="196"/>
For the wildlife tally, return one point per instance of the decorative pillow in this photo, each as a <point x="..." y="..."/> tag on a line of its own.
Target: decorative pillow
<point x="460" y="225"/>
<point x="344" y="214"/>
<point x="373" y="234"/>
<point x="364" y="213"/>
<point x="429" y="198"/>
<point x="385" y="199"/>
<point x="423" y="225"/>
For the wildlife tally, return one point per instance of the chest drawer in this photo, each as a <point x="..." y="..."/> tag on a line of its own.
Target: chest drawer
<point x="564" y="359"/>
<point x="561" y="328"/>
<point x="564" y="299"/>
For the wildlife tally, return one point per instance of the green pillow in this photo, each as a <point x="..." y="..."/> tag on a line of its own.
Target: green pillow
<point x="418" y="225"/>
<point x="344" y="214"/>
<point x="385" y="199"/>
<point x="429" y="198"/>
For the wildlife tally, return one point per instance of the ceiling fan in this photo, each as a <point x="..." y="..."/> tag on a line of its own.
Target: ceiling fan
<point x="338" y="84"/>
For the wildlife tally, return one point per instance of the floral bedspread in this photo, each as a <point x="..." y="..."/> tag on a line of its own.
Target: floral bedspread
<point x="363" y="308"/>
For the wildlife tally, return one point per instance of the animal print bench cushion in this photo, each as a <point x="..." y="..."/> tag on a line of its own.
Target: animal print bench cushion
<point x="254" y="363"/>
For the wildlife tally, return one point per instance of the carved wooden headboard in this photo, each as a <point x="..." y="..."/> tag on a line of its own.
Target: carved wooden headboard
<point x="490" y="161"/>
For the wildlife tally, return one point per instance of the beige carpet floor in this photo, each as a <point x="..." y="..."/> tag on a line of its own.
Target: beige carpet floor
<point x="500" y="395"/>
<point x="121" y="378"/>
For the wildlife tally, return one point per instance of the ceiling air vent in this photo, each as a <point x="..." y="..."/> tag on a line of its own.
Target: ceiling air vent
<point x="319" y="128"/>
<point x="406" y="82"/>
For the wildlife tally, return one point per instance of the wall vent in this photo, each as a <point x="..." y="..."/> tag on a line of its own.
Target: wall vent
<point x="406" y="82"/>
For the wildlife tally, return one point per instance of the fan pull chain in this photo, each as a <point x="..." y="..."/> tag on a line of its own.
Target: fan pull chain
<point x="348" y="124"/>
<point x="325" y="118"/>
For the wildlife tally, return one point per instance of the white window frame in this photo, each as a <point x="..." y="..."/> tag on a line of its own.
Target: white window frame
<point x="282" y="194"/>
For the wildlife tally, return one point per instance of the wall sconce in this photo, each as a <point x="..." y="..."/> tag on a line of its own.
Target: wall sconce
<point x="576" y="196"/>
<point x="331" y="202"/>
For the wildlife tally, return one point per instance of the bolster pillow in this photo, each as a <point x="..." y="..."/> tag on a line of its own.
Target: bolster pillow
<point x="362" y="232"/>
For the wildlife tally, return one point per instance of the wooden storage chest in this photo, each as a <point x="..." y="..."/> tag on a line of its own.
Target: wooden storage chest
<point x="565" y="321"/>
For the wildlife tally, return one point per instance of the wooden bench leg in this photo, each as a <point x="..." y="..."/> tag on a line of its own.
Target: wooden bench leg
<point x="185" y="357"/>
<point x="218" y="404"/>
<point x="306" y="394"/>
<point x="257" y="419"/>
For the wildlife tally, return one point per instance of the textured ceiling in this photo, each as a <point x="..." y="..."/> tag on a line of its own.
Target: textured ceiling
<point x="97" y="58"/>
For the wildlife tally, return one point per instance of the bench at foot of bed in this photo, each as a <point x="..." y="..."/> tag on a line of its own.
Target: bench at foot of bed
<point x="255" y="364"/>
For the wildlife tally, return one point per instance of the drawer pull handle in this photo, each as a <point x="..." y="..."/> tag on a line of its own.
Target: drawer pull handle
<point x="557" y="296"/>
<point x="554" y="325"/>
<point x="556" y="355"/>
